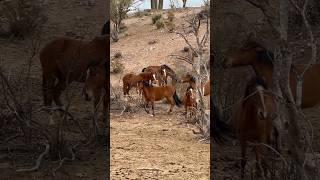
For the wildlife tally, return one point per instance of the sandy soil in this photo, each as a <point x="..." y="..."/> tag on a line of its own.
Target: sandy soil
<point x="160" y="147"/>
<point x="65" y="18"/>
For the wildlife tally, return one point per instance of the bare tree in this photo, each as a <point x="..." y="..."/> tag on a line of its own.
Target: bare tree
<point x="202" y="74"/>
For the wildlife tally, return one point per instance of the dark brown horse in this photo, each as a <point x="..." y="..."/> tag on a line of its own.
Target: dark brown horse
<point x="66" y="60"/>
<point x="152" y="94"/>
<point x="189" y="99"/>
<point x="260" y="59"/>
<point x="253" y="120"/>
<point x="188" y="78"/>
<point x="162" y="72"/>
<point x="96" y="82"/>
<point x="131" y="80"/>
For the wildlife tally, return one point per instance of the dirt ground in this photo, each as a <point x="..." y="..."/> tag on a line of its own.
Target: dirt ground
<point x="160" y="147"/>
<point x="65" y="18"/>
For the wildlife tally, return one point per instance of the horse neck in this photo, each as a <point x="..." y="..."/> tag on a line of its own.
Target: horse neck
<point x="264" y="70"/>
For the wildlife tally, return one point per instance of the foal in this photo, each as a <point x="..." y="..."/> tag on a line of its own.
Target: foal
<point x="189" y="99"/>
<point x="152" y="94"/>
<point x="254" y="120"/>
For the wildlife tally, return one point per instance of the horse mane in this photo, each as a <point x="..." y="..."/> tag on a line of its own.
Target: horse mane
<point x="106" y="28"/>
<point x="264" y="56"/>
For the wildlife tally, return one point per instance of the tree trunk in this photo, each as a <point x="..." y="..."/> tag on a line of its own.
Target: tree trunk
<point x="160" y="5"/>
<point x="184" y="3"/>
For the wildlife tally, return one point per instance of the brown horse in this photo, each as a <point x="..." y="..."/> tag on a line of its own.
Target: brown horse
<point x="253" y="120"/>
<point x="162" y="72"/>
<point x="131" y="80"/>
<point x="152" y="94"/>
<point x="189" y="99"/>
<point x="96" y="81"/>
<point x="188" y="78"/>
<point x="67" y="60"/>
<point x="260" y="59"/>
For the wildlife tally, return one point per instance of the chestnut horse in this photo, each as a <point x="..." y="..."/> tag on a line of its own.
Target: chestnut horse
<point x="162" y="72"/>
<point x="260" y="59"/>
<point x="96" y="81"/>
<point x="253" y="120"/>
<point x="152" y="94"/>
<point x="188" y="78"/>
<point x="189" y="99"/>
<point x="66" y="60"/>
<point x="131" y="80"/>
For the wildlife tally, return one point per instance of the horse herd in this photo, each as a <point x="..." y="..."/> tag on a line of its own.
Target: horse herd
<point x="65" y="60"/>
<point x="152" y="83"/>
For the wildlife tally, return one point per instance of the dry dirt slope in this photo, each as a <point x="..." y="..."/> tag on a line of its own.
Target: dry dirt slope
<point x="160" y="147"/>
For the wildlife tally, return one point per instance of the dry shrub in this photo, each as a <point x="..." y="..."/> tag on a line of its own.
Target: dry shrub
<point x="160" y="24"/>
<point x="170" y="26"/>
<point x="170" y="15"/>
<point x="24" y="17"/>
<point x="118" y="55"/>
<point x="156" y="18"/>
<point x="116" y="66"/>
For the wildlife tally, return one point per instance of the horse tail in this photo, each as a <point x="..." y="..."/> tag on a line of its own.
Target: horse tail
<point x="220" y="131"/>
<point x="176" y="99"/>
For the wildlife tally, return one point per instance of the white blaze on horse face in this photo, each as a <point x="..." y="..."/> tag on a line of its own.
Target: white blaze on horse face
<point x="260" y="90"/>
<point x="164" y="72"/>
<point x="87" y="73"/>
<point x="154" y="77"/>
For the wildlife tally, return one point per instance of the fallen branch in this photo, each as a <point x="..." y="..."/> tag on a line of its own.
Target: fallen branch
<point x="38" y="162"/>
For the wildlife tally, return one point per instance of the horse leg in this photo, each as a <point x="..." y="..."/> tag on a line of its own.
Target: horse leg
<point x="48" y="91"/>
<point x="146" y="106"/>
<point x="97" y="98"/>
<point x="152" y="103"/>
<point x="61" y="86"/>
<point x="170" y="100"/>
<point x="243" y="158"/>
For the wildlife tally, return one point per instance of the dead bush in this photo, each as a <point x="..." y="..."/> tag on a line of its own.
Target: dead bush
<point x="118" y="55"/>
<point x="170" y="15"/>
<point x="156" y="18"/>
<point x="116" y="66"/>
<point x="24" y="17"/>
<point x="160" y="24"/>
